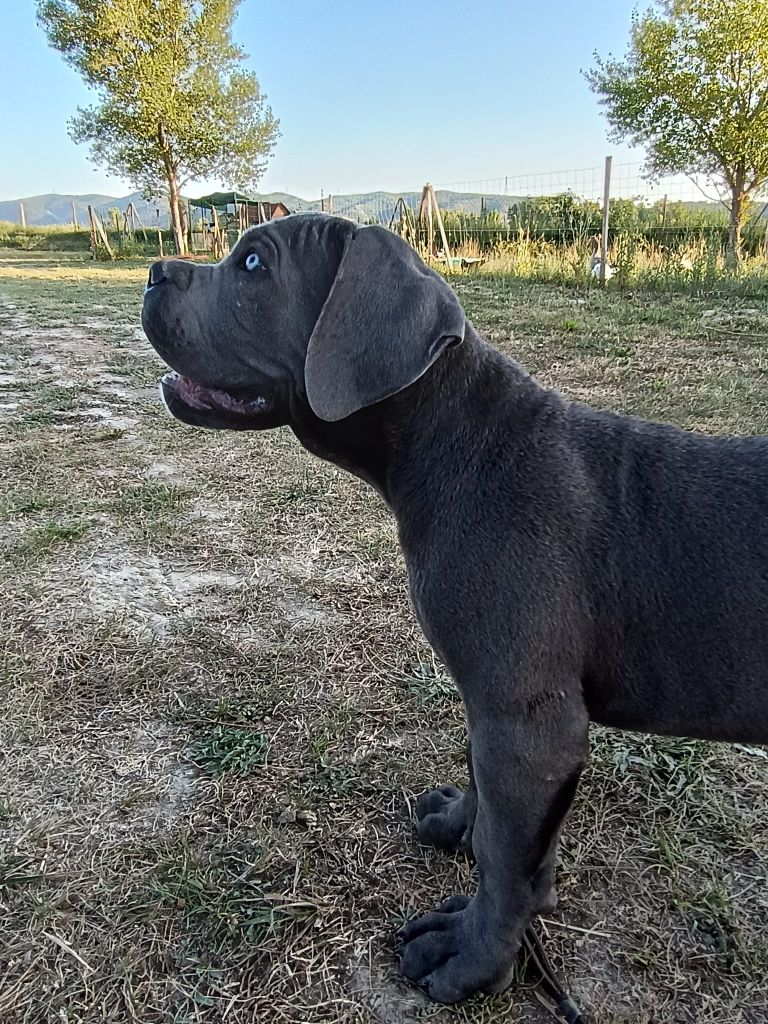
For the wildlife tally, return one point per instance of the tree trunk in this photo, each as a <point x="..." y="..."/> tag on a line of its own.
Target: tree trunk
<point x="174" y="195"/>
<point x="739" y="198"/>
<point x="177" y="215"/>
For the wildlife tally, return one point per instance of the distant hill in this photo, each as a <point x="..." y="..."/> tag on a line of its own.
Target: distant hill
<point x="50" y="209"/>
<point x="54" y="209"/>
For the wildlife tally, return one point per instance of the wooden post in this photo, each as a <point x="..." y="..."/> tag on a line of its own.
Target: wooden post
<point x="430" y="222"/>
<point x="606" y="217"/>
<point x="664" y="212"/>
<point x="92" y="232"/>
<point x="74" y="217"/>
<point x="98" y="232"/>
<point x="218" y="236"/>
<point x="330" y="202"/>
<point x="129" y="222"/>
<point x="439" y="218"/>
<point x="159" y="233"/>
<point x="322" y="201"/>
<point x="116" y="225"/>
<point x="137" y="220"/>
<point x="424" y="207"/>
<point x="22" y="215"/>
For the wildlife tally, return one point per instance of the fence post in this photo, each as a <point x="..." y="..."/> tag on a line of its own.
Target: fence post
<point x="439" y="219"/>
<point x="431" y="236"/>
<point x="606" y="217"/>
<point x="23" y="215"/>
<point x="74" y="217"/>
<point x="159" y="234"/>
<point x="98" y="232"/>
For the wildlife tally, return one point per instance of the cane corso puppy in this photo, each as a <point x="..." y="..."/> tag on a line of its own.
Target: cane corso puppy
<point x="566" y="564"/>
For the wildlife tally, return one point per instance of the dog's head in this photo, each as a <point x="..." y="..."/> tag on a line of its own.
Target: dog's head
<point x="307" y="313"/>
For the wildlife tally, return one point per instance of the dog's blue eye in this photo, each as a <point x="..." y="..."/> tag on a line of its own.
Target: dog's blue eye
<point x="252" y="261"/>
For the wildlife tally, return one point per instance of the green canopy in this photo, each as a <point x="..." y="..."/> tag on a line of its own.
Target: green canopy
<point x="220" y="200"/>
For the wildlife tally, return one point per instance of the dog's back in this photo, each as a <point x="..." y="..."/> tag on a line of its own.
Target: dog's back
<point x="677" y="565"/>
<point x="633" y="553"/>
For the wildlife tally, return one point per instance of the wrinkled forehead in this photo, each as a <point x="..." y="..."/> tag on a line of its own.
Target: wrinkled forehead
<point x="298" y="229"/>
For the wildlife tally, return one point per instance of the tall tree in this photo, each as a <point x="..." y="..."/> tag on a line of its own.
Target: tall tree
<point x="174" y="102"/>
<point x="693" y="89"/>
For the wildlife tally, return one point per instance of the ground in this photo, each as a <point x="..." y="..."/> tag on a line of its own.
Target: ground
<point x="216" y="702"/>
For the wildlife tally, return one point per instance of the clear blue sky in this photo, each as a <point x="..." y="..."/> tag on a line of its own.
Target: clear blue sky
<point x="379" y="94"/>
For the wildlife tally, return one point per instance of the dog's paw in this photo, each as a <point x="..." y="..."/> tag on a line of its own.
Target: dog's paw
<point x="441" y="816"/>
<point x="448" y="955"/>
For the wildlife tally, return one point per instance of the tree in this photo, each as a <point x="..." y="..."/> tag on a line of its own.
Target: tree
<point x="174" y="103"/>
<point x="693" y="89"/>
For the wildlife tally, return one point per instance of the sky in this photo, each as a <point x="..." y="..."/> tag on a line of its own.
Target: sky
<point x="370" y="94"/>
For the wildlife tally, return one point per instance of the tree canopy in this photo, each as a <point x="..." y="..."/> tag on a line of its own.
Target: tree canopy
<point x="693" y="90"/>
<point x="174" y="103"/>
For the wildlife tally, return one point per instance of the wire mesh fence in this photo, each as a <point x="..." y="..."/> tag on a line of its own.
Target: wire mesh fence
<point x="562" y="207"/>
<point x="549" y="223"/>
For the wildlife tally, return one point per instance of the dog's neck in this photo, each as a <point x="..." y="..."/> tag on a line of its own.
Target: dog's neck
<point x="386" y="444"/>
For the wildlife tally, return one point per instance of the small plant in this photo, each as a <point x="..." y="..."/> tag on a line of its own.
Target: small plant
<point x="429" y="685"/>
<point x="308" y="489"/>
<point x="625" y="255"/>
<point x="45" y="537"/>
<point x="229" y="748"/>
<point x="223" y="893"/>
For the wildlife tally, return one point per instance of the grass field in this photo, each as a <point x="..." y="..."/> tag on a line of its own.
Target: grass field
<point x="216" y="702"/>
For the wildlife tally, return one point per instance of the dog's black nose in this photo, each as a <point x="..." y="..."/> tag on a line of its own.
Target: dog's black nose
<point x="156" y="273"/>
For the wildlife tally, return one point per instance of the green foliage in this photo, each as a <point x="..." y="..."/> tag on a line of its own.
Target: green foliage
<point x="229" y="748"/>
<point x="563" y="212"/>
<point x="693" y="89"/>
<point x="566" y="218"/>
<point x="174" y="102"/>
<point x="63" y="238"/>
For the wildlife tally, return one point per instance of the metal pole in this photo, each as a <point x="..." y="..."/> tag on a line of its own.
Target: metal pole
<point x="606" y="217"/>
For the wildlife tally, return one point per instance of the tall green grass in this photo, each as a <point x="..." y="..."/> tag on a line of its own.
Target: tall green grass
<point x="64" y="238"/>
<point x="698" y="266"/>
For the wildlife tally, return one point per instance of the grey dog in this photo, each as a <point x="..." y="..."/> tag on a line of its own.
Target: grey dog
<point x="566" y="564"/>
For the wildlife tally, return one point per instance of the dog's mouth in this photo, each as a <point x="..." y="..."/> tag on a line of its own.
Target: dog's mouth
<point x="219" y="408"/>
<point x="235" y="402"/>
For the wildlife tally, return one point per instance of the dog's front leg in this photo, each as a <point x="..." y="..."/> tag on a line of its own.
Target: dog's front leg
<point x="526" y="770"/>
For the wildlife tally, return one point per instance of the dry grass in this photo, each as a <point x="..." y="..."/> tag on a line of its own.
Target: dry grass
<point x="697" y="267"/>
<point x="218" y="709"/>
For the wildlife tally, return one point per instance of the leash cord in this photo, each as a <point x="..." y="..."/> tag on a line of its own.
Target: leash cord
<point x="550" y="981"/>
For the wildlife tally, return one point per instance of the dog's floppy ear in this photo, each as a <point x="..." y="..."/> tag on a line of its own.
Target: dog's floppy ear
<point x="386" y="320"/>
